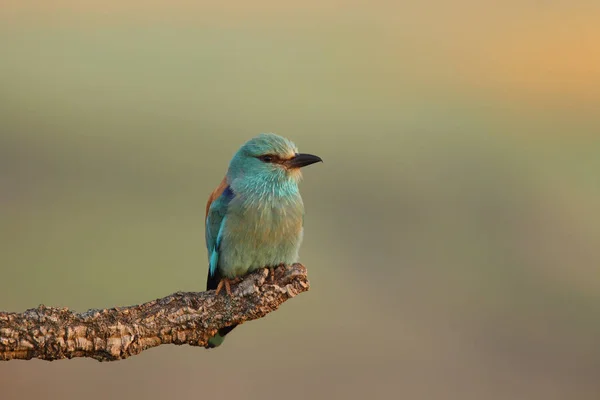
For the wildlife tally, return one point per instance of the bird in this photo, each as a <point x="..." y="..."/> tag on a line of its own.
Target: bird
<point x="255" y="217"/>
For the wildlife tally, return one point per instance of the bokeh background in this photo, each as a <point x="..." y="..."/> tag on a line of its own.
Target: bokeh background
<point x="452" y="234"/>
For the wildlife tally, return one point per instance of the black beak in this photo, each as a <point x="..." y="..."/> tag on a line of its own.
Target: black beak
<point x="302" y="160"/>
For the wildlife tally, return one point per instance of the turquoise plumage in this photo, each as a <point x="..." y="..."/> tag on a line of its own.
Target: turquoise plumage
<point x="254" y="219"/>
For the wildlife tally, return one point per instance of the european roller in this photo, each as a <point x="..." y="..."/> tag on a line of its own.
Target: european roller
<point x="255" y="217"/>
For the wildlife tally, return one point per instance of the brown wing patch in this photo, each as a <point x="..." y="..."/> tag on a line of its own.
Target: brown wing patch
<point x="215" y="194"/>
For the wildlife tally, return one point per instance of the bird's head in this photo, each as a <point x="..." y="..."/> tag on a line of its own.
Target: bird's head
<point x="268" y="158"/>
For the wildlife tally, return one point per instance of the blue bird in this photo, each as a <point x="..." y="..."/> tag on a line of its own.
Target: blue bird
<point x="255" y="217"/>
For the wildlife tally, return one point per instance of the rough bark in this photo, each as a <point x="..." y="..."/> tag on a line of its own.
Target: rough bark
<point x="50" y="333"/>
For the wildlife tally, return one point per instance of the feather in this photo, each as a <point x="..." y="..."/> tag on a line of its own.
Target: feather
<point x="216" y="215"/>
<point x="215" y="194"/>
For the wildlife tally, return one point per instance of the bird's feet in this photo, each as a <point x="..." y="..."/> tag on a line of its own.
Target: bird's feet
<point x="272" y="272"/>
<point x="226" y="282"/>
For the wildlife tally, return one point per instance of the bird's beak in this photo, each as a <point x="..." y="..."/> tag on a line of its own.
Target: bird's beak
<point x="302" y="160"/>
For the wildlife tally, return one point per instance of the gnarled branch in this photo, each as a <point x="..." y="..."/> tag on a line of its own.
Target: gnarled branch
<point x="116" y="333"/>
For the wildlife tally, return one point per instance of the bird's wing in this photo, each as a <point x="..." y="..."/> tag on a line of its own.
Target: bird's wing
<point x="216" y="214"/>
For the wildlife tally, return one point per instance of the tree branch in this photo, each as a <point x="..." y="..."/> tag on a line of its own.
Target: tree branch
<point x="116" y="333"/>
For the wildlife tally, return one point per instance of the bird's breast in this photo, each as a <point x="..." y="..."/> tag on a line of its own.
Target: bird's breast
<point x="260" y="234"/>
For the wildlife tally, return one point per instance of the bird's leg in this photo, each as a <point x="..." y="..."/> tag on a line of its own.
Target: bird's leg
<point x="223" y="282"/>
<point x="272" y="271"/>
<point x="227" y="283"/>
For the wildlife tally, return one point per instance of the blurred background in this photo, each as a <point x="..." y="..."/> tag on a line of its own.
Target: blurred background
<point x="452" y="234"/>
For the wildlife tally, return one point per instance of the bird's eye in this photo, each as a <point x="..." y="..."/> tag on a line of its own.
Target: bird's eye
<point x="266" y="158"/>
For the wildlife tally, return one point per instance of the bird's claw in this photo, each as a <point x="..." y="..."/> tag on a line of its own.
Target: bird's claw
<point x="223" y="282"/>
<point x="226" y="282"/>
<point x="272" y="272"/>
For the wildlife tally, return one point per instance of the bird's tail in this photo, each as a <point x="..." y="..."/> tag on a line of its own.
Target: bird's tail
<point x="211" y="284"/>
<point x="218" y="339"/>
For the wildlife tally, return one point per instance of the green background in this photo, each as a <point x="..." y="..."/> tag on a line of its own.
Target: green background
<point x="452" y="234"/>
